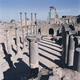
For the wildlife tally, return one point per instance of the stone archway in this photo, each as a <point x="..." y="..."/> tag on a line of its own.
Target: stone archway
<point x="51" y="31"/>
<point x="39" y="31"/>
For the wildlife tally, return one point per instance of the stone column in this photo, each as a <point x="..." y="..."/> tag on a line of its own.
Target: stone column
<point x="33" y="52"/>
<point x="35" y="18"/>
<point x="22" y="29"/>
<point x="21" y="22"/>
<point x="78" y="37"/>
<point x="35" y="27"/>
<point x="77" y="40"/>
<point x="8" y="42"/>
<point x="71" y="51"/>
<point x="64" y="44"/>
<point x="21" y="18"/>
<point x="26" y="27"/>
<point x="50" y="16"/>
<point x="17" y="40"/>
<point x="25" y="18"/>
<point x="31" y="23"/>
<point x="66" y="47"/>
<point x="77" y="59"/>
<point x="1" y="61"/>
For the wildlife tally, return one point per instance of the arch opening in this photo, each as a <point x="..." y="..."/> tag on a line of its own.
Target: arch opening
<point x="51" y="31"/>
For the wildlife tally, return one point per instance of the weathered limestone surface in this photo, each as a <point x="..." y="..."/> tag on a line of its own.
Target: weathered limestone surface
<point x="71" y="51"/>
<point x="33" y="51"/>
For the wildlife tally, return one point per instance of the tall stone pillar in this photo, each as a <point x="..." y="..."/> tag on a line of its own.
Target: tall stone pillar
<point x="71" y="51"/>
<point x="33" y="52"/>
<point x="1" y="72"/>
<point x="22" y="29"/>
<point x="26" y="27"/>
<point x="64" y="44"/>
<point x="21" y="18"/>
<point x="31" y="23"/>
<point x="35" y="27"/>
<point x="17" y="40"/>
<point x="77" y="59"/>
<point x="77" y="40"/>
<point x="50" y="16"/>
<point x="8" y="42"/>
<point x="66" y="47"/>
<point x="25" y="18"/>
<point x="21" y="23"/>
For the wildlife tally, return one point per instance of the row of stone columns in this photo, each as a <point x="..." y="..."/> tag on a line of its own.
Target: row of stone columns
<point x="9" y="38"/>
<point x="33" y="49"/>
<point x="33" y="45"/>
<point x="26" y="22"/>
<point x="71" y="49"/>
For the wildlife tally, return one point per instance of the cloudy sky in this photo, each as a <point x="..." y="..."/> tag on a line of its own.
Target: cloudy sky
<point x="9" y="9"/>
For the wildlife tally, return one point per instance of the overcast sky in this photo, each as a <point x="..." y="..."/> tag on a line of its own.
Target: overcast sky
<point x="9" y="9"/>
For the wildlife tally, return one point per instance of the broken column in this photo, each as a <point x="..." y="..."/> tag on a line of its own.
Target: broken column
<point x="33" y="52"/>
<point x="77" y="59"/>
<point x="71" y="51"/>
